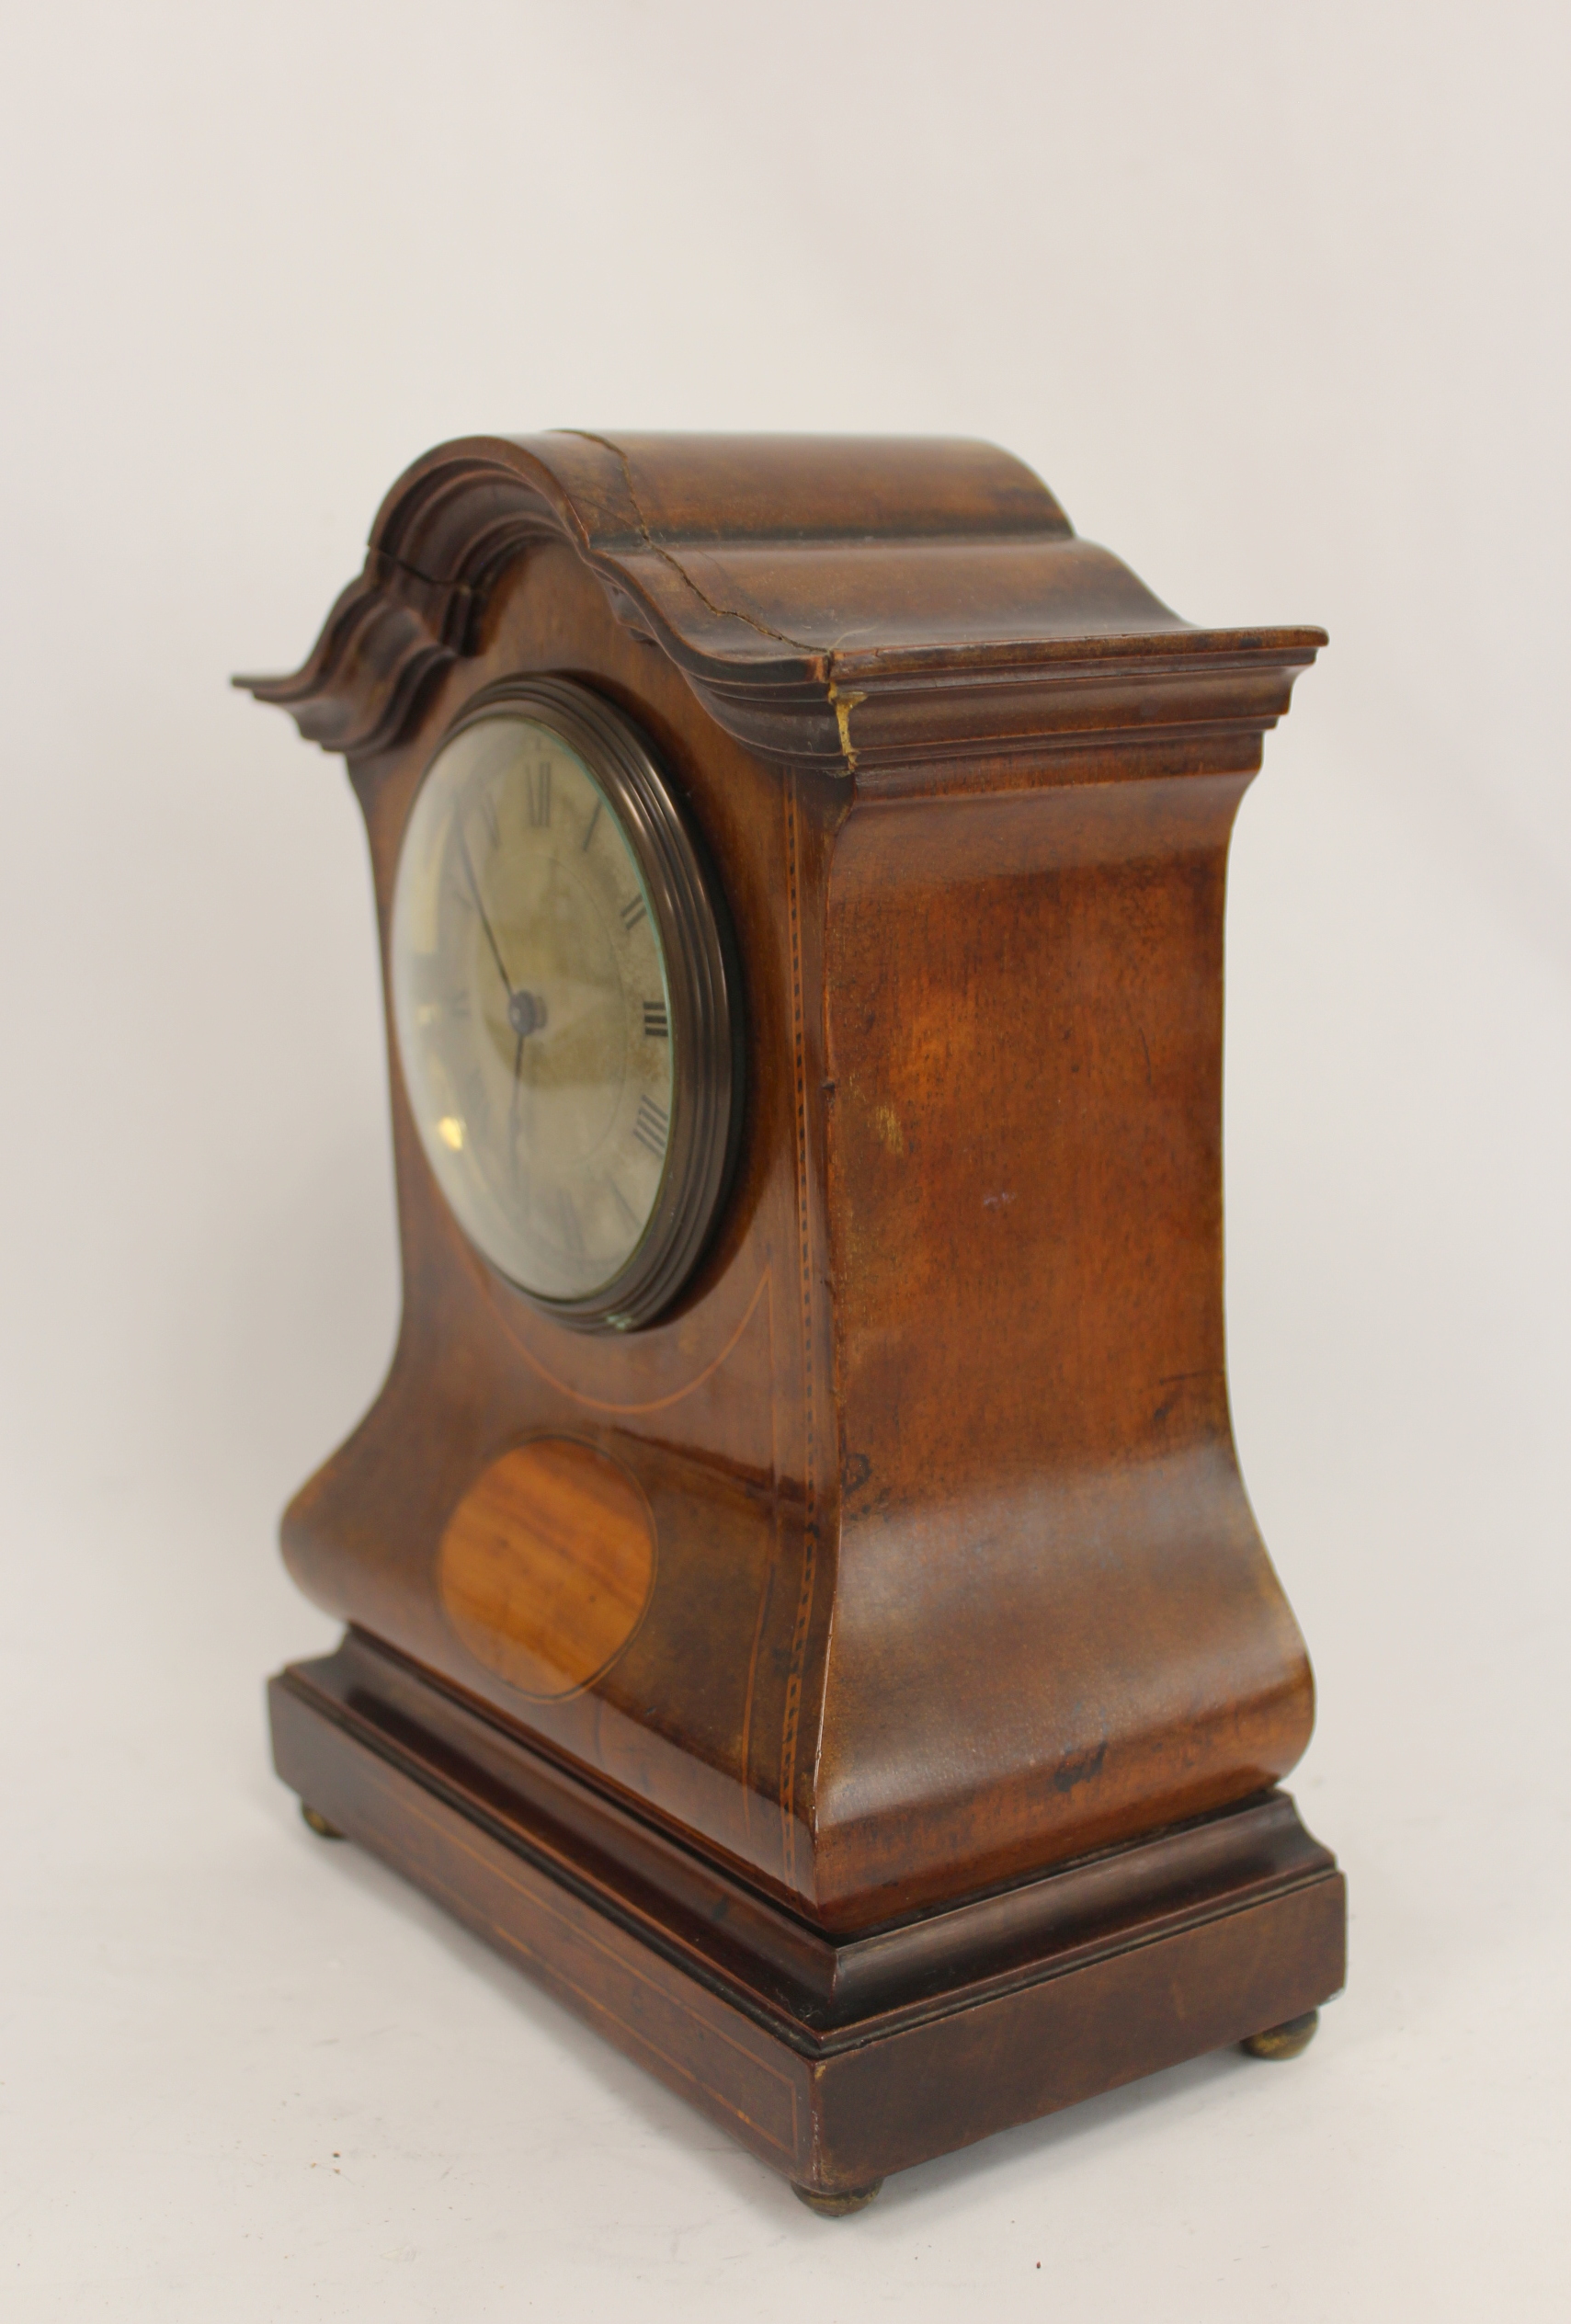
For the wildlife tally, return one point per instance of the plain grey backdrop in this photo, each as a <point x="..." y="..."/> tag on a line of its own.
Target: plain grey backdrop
<point x="1275" y="301"/>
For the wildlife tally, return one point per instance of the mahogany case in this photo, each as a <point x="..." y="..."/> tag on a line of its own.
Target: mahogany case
<point x="932" y="1785"/>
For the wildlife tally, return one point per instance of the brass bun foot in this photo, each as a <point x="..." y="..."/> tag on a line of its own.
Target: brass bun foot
<point x="1288" y="2040"/>
<point x="840" y="2205"/>
<point x="319" y="1824"/>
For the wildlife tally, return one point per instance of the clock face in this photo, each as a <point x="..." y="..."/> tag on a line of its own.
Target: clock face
<point x="549" y="1060"/>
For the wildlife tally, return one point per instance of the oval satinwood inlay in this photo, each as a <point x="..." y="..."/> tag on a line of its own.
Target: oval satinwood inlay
<point x="547" y="1563"/>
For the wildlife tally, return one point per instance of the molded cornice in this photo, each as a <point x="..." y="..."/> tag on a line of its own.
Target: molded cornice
<point x="830" y="599"/>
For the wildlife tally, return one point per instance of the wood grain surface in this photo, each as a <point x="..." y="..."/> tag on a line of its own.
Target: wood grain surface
<point x="546" y="1565"/>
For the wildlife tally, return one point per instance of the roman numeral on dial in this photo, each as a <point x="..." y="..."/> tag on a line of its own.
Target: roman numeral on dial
<point x="540" y="795"/>
<point x="633" y="913"/>
<point x="657" y="1026"/>
<point x="651" y="1127"/>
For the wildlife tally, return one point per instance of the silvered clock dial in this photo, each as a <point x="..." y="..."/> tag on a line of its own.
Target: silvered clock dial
<point x="566" y="998"/>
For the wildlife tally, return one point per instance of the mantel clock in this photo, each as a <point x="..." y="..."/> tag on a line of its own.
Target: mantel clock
<point x="801" y="1601"/>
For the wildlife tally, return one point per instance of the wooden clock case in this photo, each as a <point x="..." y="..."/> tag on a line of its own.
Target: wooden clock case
<point x="932" y="1783"/>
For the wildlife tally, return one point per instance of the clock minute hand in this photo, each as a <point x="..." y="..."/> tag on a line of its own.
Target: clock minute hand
<point x="485" y="922"/>
<point x="513" y="1103"/>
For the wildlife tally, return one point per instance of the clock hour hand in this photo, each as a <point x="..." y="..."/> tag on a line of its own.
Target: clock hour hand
<point x="485" y="922"/>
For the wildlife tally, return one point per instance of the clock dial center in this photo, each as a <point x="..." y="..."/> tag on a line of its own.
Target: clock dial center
<point x="526" y="1013"/>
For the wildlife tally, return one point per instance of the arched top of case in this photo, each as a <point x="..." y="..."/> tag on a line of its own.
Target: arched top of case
<point x="821" y="594"/>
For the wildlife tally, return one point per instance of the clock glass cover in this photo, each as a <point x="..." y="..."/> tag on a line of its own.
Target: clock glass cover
<point x="556" y="964"/>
